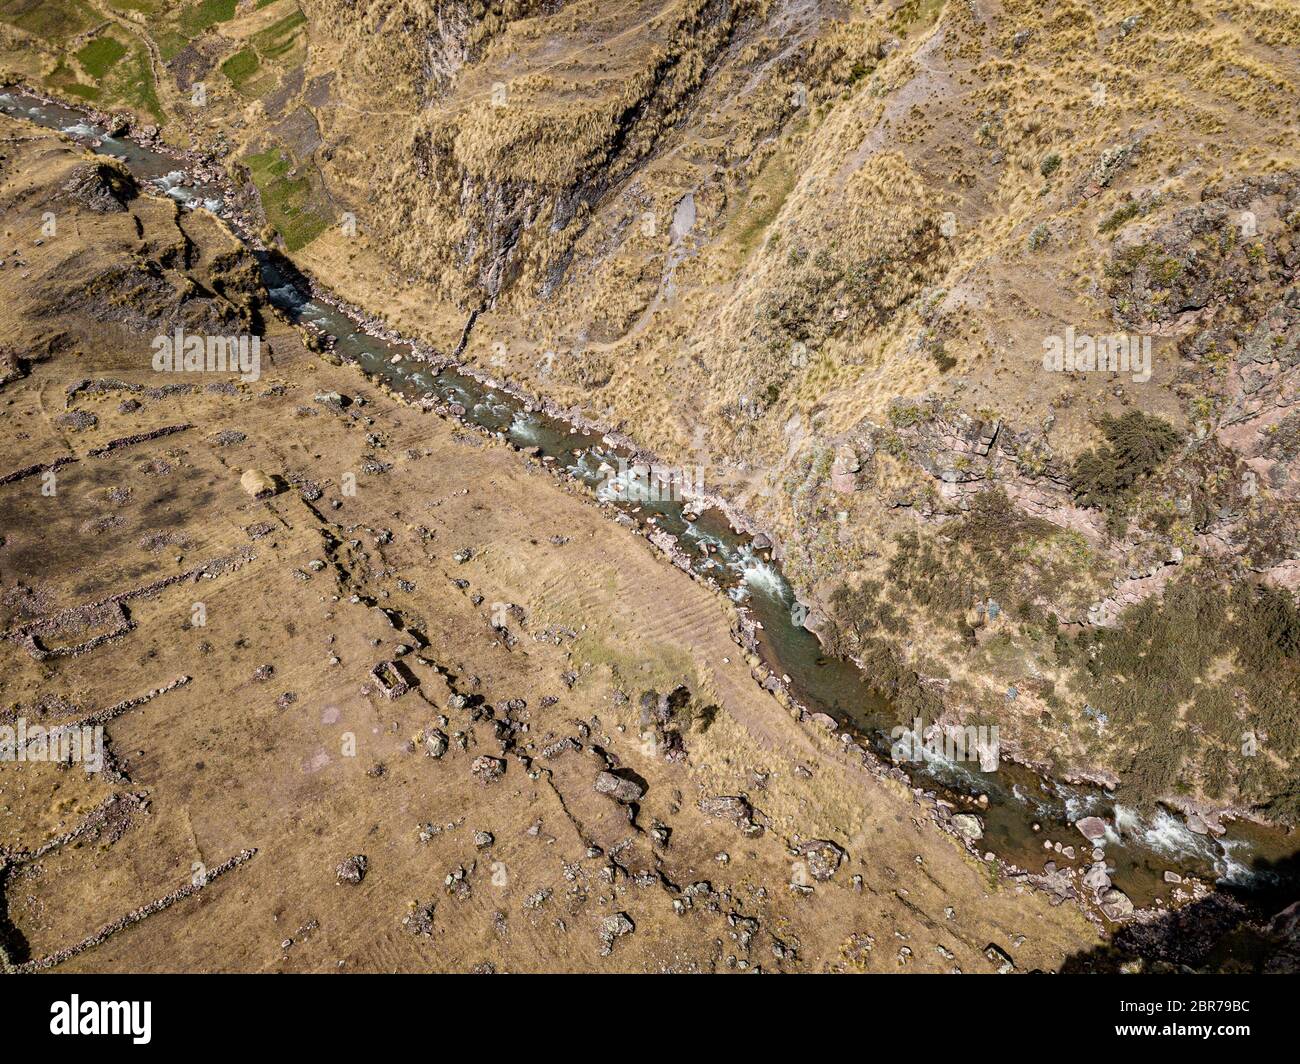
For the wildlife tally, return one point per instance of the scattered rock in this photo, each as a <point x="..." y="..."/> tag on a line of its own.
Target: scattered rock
<point x="352" y="869"/>
<point x="487" y="769"/>
<point x="614" y="927"/>
<point x="1097" y="878"/>
<point x="420" y="920"/>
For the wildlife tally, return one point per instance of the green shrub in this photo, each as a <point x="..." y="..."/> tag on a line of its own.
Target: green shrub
<point x="1136" y="444"/>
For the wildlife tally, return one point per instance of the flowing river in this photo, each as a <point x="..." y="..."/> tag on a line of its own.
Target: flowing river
<point x="1023" y="808"/>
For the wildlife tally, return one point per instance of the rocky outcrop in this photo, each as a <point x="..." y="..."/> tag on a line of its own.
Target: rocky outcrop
<point x="102" y="187"/>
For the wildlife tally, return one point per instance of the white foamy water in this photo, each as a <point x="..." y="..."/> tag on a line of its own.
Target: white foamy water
<point x="694" y="532"/>
<point x="761" y="576"/>
<point x="912" y="748"/>
<point x="634" y="484"/>
<point x="525" y="428"/>
<point x="1079" y="804"/>
<point x="951" y="772"/>
<point x="1169" y="836"/>
<point x="1231" y="869"/>
<point x="78" y="129"/>
<point x="1041" y="806"/>
<point x="584" y="464"/>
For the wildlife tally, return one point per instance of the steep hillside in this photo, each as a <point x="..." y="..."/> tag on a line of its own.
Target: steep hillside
<point x="831" y="252"/>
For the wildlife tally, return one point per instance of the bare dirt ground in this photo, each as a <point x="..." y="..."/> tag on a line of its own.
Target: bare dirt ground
<point x="277" y="749"/>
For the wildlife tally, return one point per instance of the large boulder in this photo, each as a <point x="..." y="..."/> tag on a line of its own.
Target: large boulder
<point x="618" y="788"/>
<point x="1092" y="827"/>
<point x="1116" y="904"/>
<point x="487" y="769"/>
<point x="734" y="808"/>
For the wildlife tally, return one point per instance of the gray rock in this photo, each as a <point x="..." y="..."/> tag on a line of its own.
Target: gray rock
<point x="352" y="870"/>
<point x="1116" y="904"/>
<point x="487" y="769"/>
<point x="1097" y="878"/>
<point x="1092" y="827"/>
<point x="618" y="788"/>
<point x="612" y="928"/>
<point x="824" y="858"/>
<point x="733" y="808"/>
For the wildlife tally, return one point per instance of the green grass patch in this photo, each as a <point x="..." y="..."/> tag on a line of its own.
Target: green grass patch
<point x="170" y="44"/>
<point x="206" y="13"/>
<point x="63" y="81"/>
<point x="285" y="199"/>
<point x="279" y="37"/>
<point x="770" y="191"/>
<point x="53" y="20"/>
<point x="99" y="56"/>
<point x="139" y="88"/>
<point x="128" y="82"/>
<point x="240" y="67"/>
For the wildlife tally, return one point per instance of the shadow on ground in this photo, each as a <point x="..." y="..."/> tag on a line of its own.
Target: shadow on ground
<point x="1252" y="929"/>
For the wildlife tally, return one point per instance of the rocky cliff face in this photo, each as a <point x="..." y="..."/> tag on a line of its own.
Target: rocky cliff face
<point x="519" y="130"/>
